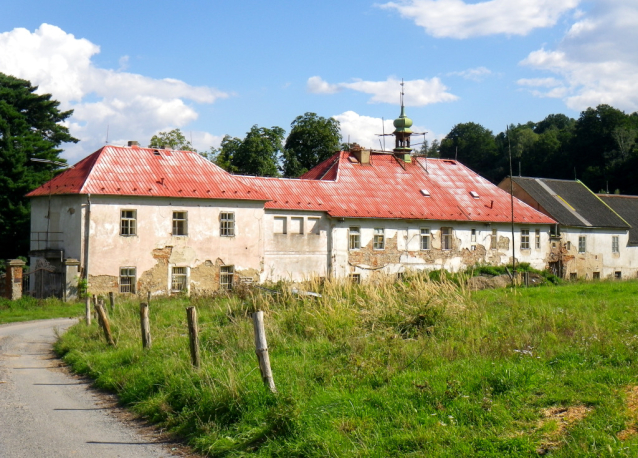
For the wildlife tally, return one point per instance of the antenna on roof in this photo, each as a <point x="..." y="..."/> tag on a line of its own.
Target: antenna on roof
<point x="107" y="133"/>
<point x="383" y="128"/>
<point x="426" y="155"/>
<point x="575" y="177"/>
<point x="191" y="138"/>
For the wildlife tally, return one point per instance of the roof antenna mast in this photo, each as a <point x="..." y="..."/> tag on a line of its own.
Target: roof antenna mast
<point x="107" y="134"/>
<point x="509" y="148"/>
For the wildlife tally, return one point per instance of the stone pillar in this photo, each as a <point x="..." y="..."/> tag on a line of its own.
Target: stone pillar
<point x="71" y="278"/>
<point x="13" y="289"/>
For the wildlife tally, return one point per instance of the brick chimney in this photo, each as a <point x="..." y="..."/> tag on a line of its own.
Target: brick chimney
<point x="362" y="154"/>
<point x="133" y="143"/>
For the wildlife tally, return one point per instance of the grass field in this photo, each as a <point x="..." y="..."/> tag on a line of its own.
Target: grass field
<point x="28" y="308"/>
<point x="416" y="368"/>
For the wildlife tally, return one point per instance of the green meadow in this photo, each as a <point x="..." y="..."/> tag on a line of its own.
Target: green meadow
<point x="410" y="368"/>
<point x="28" y="308"/>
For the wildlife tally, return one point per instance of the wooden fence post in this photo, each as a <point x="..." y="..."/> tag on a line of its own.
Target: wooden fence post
<point x="104" y="321"/>
<point x="111" y="301"/>
<point x="261" y="348"/>
<point x="87" y="311"/>
<point x="95" y="305"/>
<point x="193" y="334"/>
<point x="148" y="297"/>
<point x="146" y="328"/>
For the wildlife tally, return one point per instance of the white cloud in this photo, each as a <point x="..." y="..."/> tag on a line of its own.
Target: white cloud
<point x="417" y="92"/>
<point x="596" y="61"/>
<point x="131" y="106"/>
<point x="458" y="19"/>
<point x="365" y="131"/>
<point x="474" y="74"/>
<point x="539" y="82"/>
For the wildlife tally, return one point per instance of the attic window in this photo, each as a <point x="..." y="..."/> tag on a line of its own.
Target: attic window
<point x="425" y="192"/>
<point x="156" y="152"/>
<point x="450" y="162"/>
<point x="474" y="194"/>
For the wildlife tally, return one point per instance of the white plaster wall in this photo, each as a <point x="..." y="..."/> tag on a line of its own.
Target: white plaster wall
<point x="66" y="217"/>
<point x="293" y="255"/>
<point x="109" y="250"/>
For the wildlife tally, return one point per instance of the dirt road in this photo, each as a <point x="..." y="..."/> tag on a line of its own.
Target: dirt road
<point x="44" y="412"/>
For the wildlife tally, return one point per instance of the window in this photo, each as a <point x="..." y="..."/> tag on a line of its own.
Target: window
<point x="127" y="222"/>
<point x="493" y="239"/>
<point x="582" y="244"/>
<point x="178" y="279"/>
<point x="425" y="238"/>
<point x="524" y="239"/>
<point x="296" y="225"/>
<point x="446" y="238"/>
<point x="538" y="239"/>
<point x="569" y="246"/>
<point x="279" y="225"/>
<point x="227" y="224"/>
<point x="618" y="275"/>
<point x="180" y="226"/>
<point x="355" y="278"/>
<point x="226" y="274"/>
<point x="379" y="238"/>
<point x="473" y="236"/>
<point x="127" y="279"/>
<point x="596" y="275"/>
<point x="573" y="276"/>
<point x="615" y="246"/>
<point x="354" y="238"/>
<point x="313" y="226"/>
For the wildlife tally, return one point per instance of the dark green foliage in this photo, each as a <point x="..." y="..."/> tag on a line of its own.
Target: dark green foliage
<point x="173" y="139"/>
<point x="312" y="139"/>
<point x="474" y="146"/>
<point x="257" y="154"/>
<point x="30" y="127"/>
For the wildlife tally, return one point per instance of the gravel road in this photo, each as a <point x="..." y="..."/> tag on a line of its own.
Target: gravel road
<point x="44" y="412"/>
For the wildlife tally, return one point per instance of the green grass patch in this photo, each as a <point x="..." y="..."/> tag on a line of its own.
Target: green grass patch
<point x="28" y="308"/>
<point x="412" y="368"/>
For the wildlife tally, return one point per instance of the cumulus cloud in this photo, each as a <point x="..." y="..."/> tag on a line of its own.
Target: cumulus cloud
<point x="596" y="61"/>
<point x="365" y="130"/>
<point x="473" y="74"/>
<point x="459" y="19"/>
<point x="130" y="105"/>
<point x="417" y="92"/>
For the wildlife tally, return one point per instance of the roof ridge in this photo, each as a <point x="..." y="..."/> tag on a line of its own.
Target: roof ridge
<point x="95" y="157"/>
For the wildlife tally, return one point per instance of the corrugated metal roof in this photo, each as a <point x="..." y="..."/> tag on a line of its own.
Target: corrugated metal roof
<point x="570" y="203"/>
<point x="627" y="208"/>
<point x="389" y="188"/>
<point x="135" y="171"/>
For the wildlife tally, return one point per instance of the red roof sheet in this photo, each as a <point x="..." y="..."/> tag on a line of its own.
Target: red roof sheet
<point x="389" y="188"/>
<point x="135" y="171"/>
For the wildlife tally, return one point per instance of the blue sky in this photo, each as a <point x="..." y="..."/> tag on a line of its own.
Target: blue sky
<point x="215" y="68"/>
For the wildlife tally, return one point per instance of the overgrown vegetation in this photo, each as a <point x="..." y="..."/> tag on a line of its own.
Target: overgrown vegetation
<point x="414" y="368"/>
<point x="28" y="308"/>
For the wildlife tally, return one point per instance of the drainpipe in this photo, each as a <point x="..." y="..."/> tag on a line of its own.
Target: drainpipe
<point x="87" y="233"/>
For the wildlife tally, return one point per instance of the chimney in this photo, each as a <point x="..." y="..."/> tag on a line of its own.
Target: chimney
<point x="133" y="143"/>
<point x="362" y="154"/>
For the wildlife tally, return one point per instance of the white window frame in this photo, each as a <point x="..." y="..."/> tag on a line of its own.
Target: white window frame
<point x="615" y="244"/>
<point x="128" y="223"/>
<point x="425" y="238"/>
<point x="582" y="244"/>
<point x="446" y="238"/>
<point x="378" y="242"/>
<point x="354" y="237"/>
<point x="128" y="279"/>
<point x="179" y="279"/>
<point x="537" y="235"/>
<point x="525" y="239"/>
<point x="227" y="224"/>
<point x="226" y="277"/>
<point x="180" y="216"/>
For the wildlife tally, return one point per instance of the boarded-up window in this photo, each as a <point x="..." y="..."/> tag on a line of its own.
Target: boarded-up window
<point x="296" y="225"/>
<point x="312" y="226"/>
<point x="279" y="226"/>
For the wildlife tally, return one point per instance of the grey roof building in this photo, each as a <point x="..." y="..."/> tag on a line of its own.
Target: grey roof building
<point x="627" y="208"/>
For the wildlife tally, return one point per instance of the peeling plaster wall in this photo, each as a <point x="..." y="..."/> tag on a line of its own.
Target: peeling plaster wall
<point x="598" y="255"/>
<point x="153" y="251"/>
<point x="299" y="253"/>
<point x="403" y="246"/>
<point x="66" y="219"/>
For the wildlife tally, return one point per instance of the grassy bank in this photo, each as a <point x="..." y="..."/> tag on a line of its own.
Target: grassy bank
<point x="28" y="308"/>
<point x="416" y="368"/>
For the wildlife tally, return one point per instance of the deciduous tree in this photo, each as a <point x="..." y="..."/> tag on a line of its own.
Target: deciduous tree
<point x="173" y="139"/>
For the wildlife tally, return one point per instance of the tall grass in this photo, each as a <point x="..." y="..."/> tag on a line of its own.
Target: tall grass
<point x="410" y="368"/>
<point x="28" y="308"/>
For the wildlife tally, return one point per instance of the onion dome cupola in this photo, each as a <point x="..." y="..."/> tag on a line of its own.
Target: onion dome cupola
<point x="402" y="133"/>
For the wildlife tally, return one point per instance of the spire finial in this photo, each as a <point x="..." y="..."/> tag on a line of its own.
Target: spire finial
<point x="402" y="93"/>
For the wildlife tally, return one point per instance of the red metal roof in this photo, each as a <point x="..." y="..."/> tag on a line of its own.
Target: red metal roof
<point x="135" y="171"/>
<point x="390" y="188"/>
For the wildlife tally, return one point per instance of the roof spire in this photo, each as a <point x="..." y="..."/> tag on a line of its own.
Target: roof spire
<point x="402" y="130"/>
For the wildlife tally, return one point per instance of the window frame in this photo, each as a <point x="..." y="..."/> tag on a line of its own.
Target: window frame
<point x="226" y="277"/>
<point x="226" y="225"/>
<point x="494" y="239"/>
<point x="582" y="244"/>
<point x="184" y="219"/>
<point x="354" y="238"/>
<point x="378" y="241"/>
<point x="525" y="239"/>
<point x="615" y="244"/>
<point x="446" y="238"/>
<point x="426" y="237"/>
<point x="537" y="239"/>
<point x="184" y="282"/>
<point x="131" y="280"/>
<point x="131" y="223"/>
